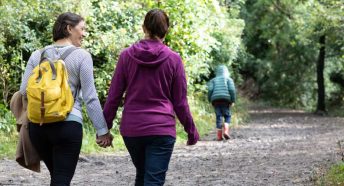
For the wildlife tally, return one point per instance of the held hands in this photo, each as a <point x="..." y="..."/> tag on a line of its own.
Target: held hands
<point x="105" y="140"/>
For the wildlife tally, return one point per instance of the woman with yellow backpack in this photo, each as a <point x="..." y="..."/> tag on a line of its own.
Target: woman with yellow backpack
<point x="56" y="80"/>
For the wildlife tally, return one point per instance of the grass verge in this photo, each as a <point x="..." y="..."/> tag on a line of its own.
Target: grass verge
<point x="333" y="176"/>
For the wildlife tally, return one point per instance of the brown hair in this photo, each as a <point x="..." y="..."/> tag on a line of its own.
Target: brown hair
<point x="156" y="23"/>
<point x="60" y="27"/>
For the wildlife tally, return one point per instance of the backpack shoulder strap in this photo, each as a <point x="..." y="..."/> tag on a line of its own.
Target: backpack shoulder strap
<point x="68" y="51"/>
<point x="43" y="52"/>
<point x="42" y="58"/>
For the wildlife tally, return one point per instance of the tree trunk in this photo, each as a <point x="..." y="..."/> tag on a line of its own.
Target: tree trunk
<point x="320" y="76"/>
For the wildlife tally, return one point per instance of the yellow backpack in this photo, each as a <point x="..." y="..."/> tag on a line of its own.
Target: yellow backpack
<point x="49" y="95"/>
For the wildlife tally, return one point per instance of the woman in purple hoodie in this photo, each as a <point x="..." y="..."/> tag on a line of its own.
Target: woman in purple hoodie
<point x="153" y="79"/>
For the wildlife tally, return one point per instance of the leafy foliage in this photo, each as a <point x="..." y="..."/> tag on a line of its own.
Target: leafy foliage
<point x="114" y="25"/>
<point x="282" y="44"/>
<point x="7" y="121"/>
<point x="203" y="32"/>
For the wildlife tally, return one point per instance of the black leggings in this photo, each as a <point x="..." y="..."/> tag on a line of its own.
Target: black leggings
<point x="58" y="144"/>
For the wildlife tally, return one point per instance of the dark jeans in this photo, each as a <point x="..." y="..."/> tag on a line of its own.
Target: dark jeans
<point x="222" y="110"/>
<point x="151" y="156"/>
<point x="58" y="144"/>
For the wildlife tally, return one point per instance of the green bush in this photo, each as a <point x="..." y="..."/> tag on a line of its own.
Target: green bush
<point x="7" y="120"/>
<point x="8" y="134"/>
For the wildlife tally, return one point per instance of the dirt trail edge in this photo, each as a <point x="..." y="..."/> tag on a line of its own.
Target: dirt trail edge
<point x="277" y="147"/>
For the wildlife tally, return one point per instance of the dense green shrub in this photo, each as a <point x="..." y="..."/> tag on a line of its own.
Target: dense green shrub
<point x="7" y="121"/>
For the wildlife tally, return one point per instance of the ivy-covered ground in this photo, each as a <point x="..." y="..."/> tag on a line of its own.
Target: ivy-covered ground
<point x="277" y="147"/>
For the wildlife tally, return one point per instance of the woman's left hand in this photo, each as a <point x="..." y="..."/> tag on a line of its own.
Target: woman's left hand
<point x="105" y="140"/>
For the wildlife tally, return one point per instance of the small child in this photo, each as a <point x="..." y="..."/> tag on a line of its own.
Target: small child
<point x="221" y="93"/>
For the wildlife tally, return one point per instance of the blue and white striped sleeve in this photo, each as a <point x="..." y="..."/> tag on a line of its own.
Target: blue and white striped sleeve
<point x="90" y="96"/>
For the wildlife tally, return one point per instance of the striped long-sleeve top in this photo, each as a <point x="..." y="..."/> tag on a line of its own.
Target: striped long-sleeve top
<point x="79" y="66"/>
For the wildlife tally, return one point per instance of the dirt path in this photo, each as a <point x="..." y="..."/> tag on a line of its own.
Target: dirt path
<point x="278" y="147"/>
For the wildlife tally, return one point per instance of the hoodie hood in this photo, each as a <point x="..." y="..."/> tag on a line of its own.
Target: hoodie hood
<point x="222" y="70"/>
<point x="148" y="52"/>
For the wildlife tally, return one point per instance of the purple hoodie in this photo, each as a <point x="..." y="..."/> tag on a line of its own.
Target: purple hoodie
<point x="153" y="79"/>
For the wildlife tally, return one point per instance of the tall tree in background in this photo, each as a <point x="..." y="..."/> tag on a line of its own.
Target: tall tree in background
<point x="320" y="76"/>
<point x="327" y="24"/>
